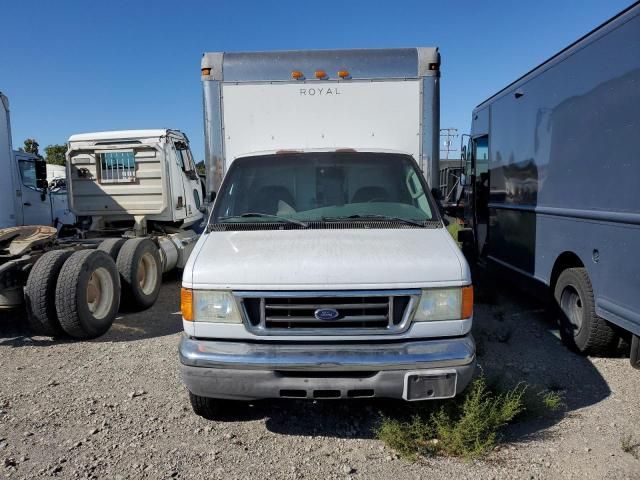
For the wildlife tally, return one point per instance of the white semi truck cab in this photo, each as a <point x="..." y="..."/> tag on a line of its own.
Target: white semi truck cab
<point x="325" y="270"/>
<point x="136" y="200"/>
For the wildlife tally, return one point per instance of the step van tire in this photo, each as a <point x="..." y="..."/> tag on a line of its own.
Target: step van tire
<point x="112" y="246"/>
<point x="40" y="294"/>
<point x="140" y="269"/>
<point x="580" y="328"/>
<point x="88" y="294"/>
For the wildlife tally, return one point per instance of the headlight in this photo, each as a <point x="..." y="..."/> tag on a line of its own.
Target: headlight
<point x="445" y="304"/>
<point x="211" y="306"/>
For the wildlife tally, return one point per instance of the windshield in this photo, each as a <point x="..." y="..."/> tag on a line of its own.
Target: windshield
<point x="323" y="186"/>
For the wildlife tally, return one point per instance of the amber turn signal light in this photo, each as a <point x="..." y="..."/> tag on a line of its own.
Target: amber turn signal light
<point x="297" y="75"/>
<point x="186" y="304"/>
<point x="467" y="302"/>
<point x="321" y="74"/>
<point x="206" y="71"/>
<point x="344" y="74"/>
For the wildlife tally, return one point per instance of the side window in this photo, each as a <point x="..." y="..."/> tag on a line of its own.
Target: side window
<point x="183" y="155"/>
<point x="28" y="173"/>
<point x="481" y="155"/>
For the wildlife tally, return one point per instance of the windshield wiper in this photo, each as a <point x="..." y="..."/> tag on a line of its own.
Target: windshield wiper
<point x="267" y="215"/>
<point x="376" y="216"/>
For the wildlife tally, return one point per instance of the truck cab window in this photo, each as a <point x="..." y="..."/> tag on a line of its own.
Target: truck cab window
<point x="481" y="155"/>
<point x="28" y="173"/>
<point x="183" y="154"/>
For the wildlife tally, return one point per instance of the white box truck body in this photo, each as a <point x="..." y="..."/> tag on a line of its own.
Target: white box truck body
<point x="325" y="270"/>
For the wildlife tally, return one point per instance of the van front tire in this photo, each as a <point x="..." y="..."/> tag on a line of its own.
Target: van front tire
<point x="212" y="408"/>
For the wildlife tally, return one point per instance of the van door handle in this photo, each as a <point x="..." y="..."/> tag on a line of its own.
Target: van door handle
<point x="28" y="204"/>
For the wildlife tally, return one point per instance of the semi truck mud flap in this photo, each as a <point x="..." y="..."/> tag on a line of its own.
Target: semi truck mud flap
<point x="429" y="384"/>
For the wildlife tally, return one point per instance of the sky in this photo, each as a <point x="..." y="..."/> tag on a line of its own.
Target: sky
<point x="80" y="66"/>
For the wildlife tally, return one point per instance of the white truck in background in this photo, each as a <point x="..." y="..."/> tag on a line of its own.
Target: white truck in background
<point x="136" y="197"/>
<point x="325" y="270"/>
<point x="42" y="205"/>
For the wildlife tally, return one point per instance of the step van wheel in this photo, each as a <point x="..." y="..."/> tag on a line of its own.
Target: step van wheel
<point x="40" y="293"/>
<point x="88" y="294"/>
<point x="112" y="246"/>
<point x="140" y="270"/>
<point x="580" y="328"/>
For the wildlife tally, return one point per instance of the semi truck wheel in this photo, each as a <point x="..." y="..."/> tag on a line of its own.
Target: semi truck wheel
<point x="140" y="270"/>
<point x="88" y="294"/>
<point x="112" y="246"/>
<point x="581" y="329"/>
<point x="40" y="293"/>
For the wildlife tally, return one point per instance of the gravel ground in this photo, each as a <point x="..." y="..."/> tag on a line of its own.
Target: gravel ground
<point x="115" y="408"/>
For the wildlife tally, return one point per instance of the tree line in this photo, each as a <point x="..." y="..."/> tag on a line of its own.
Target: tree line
<point x="53" y="154"/>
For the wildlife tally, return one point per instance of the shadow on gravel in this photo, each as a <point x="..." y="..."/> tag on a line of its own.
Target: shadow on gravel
<point x="517" y="342"/>
<point x="160" y="320"/>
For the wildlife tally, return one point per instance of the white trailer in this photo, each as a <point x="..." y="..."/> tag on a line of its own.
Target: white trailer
<point x="136" y="197"/>
<point x="325" y="270"/>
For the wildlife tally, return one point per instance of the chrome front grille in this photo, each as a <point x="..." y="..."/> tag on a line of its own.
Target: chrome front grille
<point x="355" y="312"/>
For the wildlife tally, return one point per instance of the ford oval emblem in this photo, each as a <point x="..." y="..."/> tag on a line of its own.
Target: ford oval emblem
<point x="326" y="314"/>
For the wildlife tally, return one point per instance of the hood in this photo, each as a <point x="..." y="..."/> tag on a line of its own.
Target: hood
<point x="326" y="259"/>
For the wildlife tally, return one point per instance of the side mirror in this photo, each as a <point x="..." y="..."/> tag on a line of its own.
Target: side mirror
<point x="212" y="196"/>
<point x="41" y="174"/>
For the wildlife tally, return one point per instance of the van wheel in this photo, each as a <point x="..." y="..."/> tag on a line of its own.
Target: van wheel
<point x="581" y="329"/>
<point x="140" y="269"/>
<point x="88" y="294"/>
<point x="212" y="408"/>
<point x="40" y="293"/>
<point x="112" y="246"/>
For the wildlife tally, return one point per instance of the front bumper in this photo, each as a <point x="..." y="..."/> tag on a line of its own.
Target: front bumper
<point x="249" y="371"/>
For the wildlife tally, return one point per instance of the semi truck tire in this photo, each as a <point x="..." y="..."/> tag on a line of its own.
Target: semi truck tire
<point x="112" y="246"/>
<point x="140" y="269"/>
<point x="580" y="328"/>
<point x="88" y="294"/>
<point x="40" y="294"/>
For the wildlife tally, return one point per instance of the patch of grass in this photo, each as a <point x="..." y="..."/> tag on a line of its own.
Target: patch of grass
<point x="409" y="439"/>
<point x="467" y="426"/>
<point x="540" y="402"/>
<point x="630" y="446"/>
<point x="552" y="401"/>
